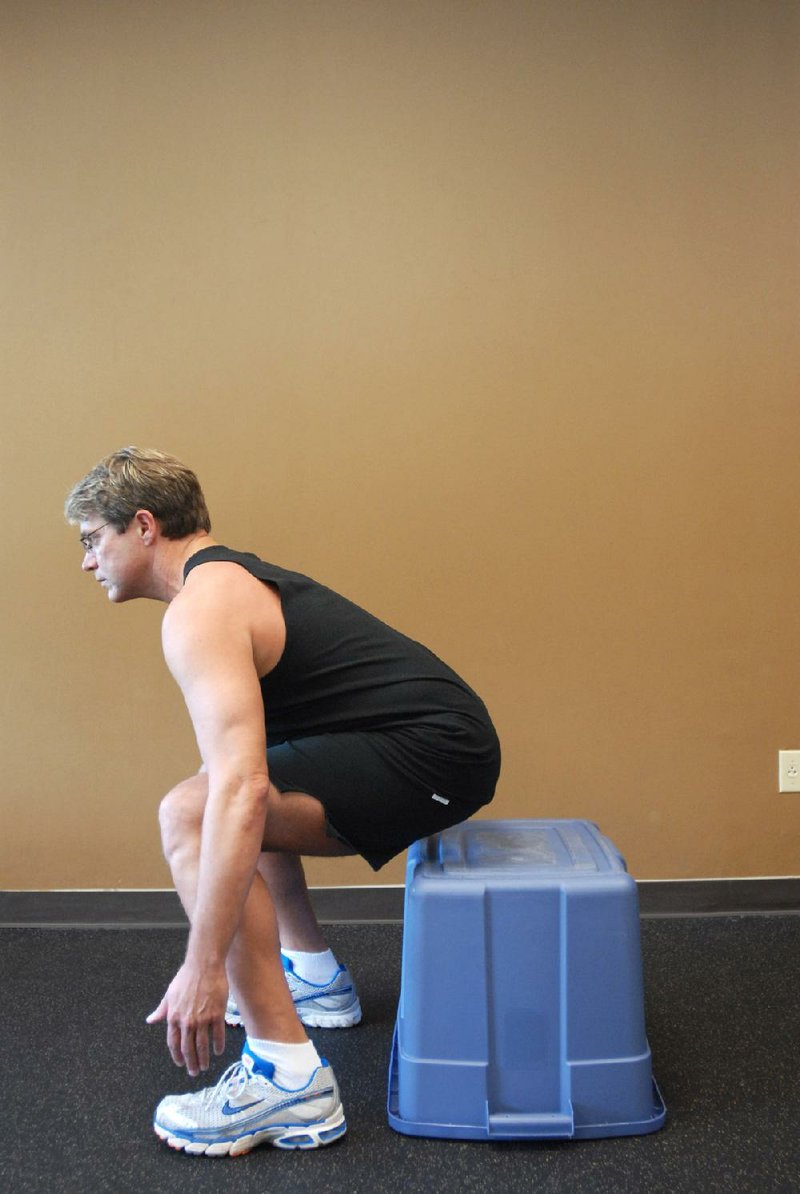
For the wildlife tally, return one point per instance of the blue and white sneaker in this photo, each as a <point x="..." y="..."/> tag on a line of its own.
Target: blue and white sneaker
<point x="328" y="1005"/>
<point x="247" y="1108"/>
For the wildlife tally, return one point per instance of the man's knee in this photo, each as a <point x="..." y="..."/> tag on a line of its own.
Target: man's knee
<point x="180" y="813"/>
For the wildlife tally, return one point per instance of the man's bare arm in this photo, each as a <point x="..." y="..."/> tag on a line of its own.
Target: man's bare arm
<point x="208" y="645"/>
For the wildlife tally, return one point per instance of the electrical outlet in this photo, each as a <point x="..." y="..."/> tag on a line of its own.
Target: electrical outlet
<point x="789" y="770"/>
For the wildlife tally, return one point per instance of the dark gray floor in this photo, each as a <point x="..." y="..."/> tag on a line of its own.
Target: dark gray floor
<point x="82" y="1073"/>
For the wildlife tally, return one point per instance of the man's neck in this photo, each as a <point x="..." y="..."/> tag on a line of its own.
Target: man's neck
<point x="171" y="561"/>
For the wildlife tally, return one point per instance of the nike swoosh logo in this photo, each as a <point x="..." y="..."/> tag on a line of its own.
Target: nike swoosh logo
<point x="229" y="1109"/>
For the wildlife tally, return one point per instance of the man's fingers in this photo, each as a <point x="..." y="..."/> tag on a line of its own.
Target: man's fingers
<point x="201" y="1046"/>
<point x="189" y="1051"/>
<point x="173" y="1030"/>
<point x="219" y="1036"/>
<point x="159" y="1014"/>
<point x="192" y="1028"/>
<point x="174" y="1043"/>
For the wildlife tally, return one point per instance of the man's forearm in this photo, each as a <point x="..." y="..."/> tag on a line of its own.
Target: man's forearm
<point x="233" y="830"/>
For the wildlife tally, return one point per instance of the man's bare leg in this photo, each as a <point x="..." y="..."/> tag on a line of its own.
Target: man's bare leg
<point x="298" y="926"/>
<point x="296" y="825"/>
<point x="324" y="989"/>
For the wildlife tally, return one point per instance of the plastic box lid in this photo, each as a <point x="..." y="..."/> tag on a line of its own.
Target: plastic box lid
<point x="542" y="849"/>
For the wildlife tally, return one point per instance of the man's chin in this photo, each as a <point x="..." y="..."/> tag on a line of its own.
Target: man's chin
<point x="115" y="593"/>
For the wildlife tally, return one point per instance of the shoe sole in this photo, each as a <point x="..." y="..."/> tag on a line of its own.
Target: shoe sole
<point x="300" y="1136"/>
<point x="314" y="1018"/>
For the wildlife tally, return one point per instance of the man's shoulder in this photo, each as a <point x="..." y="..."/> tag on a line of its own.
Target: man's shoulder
<point x="221" y="604"/>
<point x="220" y="589"/>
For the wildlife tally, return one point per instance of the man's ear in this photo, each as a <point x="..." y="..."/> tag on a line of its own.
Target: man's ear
<point x="146" y="527"/>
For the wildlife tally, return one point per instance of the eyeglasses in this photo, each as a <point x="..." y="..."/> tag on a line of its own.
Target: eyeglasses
<point x="87" y="541"/>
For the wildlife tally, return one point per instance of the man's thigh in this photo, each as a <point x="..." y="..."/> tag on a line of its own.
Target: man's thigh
<point x="296" y="824"/>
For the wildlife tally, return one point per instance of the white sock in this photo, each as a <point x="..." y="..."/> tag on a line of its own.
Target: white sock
<point x="314" y="968"/>
<point x="294" y="1064"/>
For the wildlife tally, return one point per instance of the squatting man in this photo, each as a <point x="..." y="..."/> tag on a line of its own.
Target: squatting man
<point x="322" y="731"/>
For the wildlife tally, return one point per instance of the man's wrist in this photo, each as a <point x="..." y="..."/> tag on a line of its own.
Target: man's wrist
<point x="205" y="954"/>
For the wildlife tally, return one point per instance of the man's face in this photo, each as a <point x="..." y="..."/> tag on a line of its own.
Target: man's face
<point x="111" y="556"/>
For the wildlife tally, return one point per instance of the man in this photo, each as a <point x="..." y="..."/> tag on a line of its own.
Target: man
<point x="322" y="732"/>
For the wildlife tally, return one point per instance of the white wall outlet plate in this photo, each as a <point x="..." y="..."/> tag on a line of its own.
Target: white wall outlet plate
<point x="789" y="770"/>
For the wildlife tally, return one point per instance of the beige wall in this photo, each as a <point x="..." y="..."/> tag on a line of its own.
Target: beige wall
<point x="487" y="315"/>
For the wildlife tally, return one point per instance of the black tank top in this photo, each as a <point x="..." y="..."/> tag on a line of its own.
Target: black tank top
<point x="343" y="669"/>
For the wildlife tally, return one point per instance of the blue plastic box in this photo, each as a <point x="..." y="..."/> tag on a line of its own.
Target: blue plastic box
<point x="521" y="1006"/>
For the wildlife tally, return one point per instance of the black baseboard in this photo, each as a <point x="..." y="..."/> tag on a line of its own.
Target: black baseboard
<point x="718" y="897"/>
<point x="351" y="905"/>
<point x="162" y="909"/>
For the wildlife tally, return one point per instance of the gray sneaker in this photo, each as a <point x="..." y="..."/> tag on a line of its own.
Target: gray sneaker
<point x="328" y="1005"/>
<point x="246" y="1108"/>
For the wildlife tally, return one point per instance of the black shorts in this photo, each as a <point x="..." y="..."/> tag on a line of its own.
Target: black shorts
<point x="384" y="789"/>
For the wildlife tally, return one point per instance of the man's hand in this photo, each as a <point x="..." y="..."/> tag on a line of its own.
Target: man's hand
<point x="193" y="1006"/>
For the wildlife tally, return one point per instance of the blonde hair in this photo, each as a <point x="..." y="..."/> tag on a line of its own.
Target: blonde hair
<point x="141" y="479"/>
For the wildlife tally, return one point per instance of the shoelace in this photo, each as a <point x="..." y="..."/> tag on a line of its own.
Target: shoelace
<point x="233" y="1072"/>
